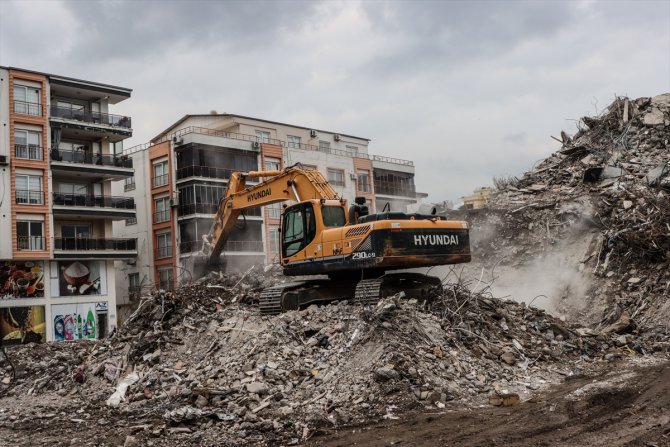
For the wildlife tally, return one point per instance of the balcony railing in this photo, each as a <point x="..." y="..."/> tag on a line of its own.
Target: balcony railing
<point x="160" y="180"/>
<point x="91" y="117"/>
<point x="30" y="243"/>
<point x="397" y="161"/>
<point x="161" y="216"/>
<point x="164" y="252"/>
<point x="89" y="158"/>
<point x="26" y="197"/>
<point x="86" y="200"/>
<point x="93" y="243"/>
<point x="251" y="246"/>
<point x="28" y="151"/>
<point x="28" y="108"/>
<point x="209" y="208"/>
<point x="394" y="189"/>
<point x="204" y="171"/>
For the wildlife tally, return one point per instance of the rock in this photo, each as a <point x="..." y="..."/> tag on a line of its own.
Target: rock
<point x="504" y="399"/>
<point x="201" y="401"/>
<point x="386" y="374"/>
<point x="131" y="441"/>
<point x="259" y="388"/>
<point x="508" y="357"/>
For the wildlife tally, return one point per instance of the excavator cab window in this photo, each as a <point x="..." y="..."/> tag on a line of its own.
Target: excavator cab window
<point x="299" y="228"/>
<point x="333" y="216"/>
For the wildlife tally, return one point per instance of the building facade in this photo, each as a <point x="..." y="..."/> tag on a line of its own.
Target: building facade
<point x="185" y="172"/>
<point x="60" y="153"/>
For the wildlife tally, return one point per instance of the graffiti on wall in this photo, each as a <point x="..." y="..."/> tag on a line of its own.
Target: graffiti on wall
<point x="22" y="324"/>
<point x="21" y="279"/>
<point x="75" y="321"/>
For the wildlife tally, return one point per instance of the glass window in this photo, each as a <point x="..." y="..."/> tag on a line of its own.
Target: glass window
<point x="162" y="213"/>
<point x="272" y="164"/>
<point x="29" y="190"/>
<point x="274" y="239"/>
<point x="274" y="211"/>
<point x="324" y="146"/>
<point x="160" y="174"/>
<point x="129" y="184"/>
<point x="27" y="100"/>
<point x="27" y="144"/>
<point x="293" y="141"/>
<point x="363" y="181"/>
<point x="165" y="279"/>
<point x="333" y="216"/>
<point x="352" y="148"/>
<point x="163" y="245"/>
<point x="133" y="282"/>
<point x="293" y="231"/>
<point x="30" y="235"/>
<point x="131" y="221"/>
<point x="336" y="177"/>
<point x="262" y="136"/>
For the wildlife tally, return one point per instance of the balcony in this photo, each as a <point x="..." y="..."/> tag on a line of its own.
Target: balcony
<point x="204" y="171"/>
<point x="28" y="108"/>
<point x="28" y="152"/>
<point x="395" y="189"/>
<point x="26" y="197"/>
<point x="87" y="124"/>
<point x="30" y="243"/>
<point x="231" y="246"/>
<point x="103" y="207"/>
<point x="396" y="161"/>
<point x="94" y="248"/>
<point x="210" y="209"/>
<point x="89" y="165"/>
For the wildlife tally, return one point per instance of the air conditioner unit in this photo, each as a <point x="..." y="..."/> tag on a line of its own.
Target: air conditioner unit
<point x="337" y="137"/>
<point x="131" y="261"/>
<point x="177" y="141"/>
<point x="3" y="160"/>
<point x="174" y="201"/>
<point x="256" y="145"/>
<point x="313" y="133"/>
<point x="352" y="176"/>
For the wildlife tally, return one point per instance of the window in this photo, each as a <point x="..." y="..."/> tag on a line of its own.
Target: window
<point x="324" y="146"/>
<point x="313" y="167"/>
<point x="75" y="237"/>
<point x="29" y="190"/>
<point x="27" y="144"/>
<point x="27" y="100"/>
<point x="336" y="177"/>
<point x="351" y="148"/>
<point x="273" y="239"/>
<point x="30" y="235"/>
<point x="162" y="211"/>
<point x="133" y="282"/>
<point x="272" y="164"/>
<point x="363" y="181"/>
<point x="298" y="230"/>
<point x="131" y="221"/>
<point x="129" y="184"/>
<point x="274" y="211"/>
<point x="73" y="188"/>
<point x="163" y="245"/>
<point x="262" y="137"/>
<point x="165" y="278"/>
<point x="293" y="141"/>
<point x="160" y="174"/>
<point x="333" y="216"/>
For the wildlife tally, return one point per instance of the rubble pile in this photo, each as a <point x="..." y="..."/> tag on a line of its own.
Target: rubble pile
<point x="612" y="179"/>
<point x="198" y="363"/>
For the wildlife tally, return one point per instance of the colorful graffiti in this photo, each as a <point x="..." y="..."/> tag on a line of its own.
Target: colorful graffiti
<point x="22" y="324"/>
<point x="21" y="279"/>
<point x="74" y="321"/>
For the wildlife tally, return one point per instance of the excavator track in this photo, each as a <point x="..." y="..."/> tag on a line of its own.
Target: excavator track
<point x="271" y="298"/>
<point x="368" y="291"/>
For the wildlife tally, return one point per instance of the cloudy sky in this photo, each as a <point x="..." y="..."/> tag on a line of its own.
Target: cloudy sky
<point x="467" y="89"/>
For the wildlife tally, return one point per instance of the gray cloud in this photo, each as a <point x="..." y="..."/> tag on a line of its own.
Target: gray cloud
<point x="467" y="89"/>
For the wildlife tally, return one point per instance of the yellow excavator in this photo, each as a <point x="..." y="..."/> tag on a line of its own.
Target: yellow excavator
<point x="321" y="235"/>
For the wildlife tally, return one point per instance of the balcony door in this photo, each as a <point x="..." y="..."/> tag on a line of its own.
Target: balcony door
<point x="72" y="194"/>
<point x="75" y="236"/>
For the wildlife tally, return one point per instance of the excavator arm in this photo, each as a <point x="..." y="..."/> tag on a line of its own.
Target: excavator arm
<point x="292" y="183"/>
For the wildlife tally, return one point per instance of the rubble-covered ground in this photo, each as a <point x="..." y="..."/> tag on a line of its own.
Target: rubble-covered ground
<point x="583" y="235"/>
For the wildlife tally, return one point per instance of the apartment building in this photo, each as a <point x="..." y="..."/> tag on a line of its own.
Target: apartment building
<point x="60" y="153"/>
<point x="185" y="172"/>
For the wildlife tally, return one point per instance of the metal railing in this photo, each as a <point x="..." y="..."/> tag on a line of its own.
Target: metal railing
<point x="163" y="252"/>
<point x="161" y="216"/>
<point x="204" y="171"/>
<point x="209" y="208"/>
<point x="217" y="133"/>
<point x="27" y="197"/>
<point x="250" y="246"/>
<point x="30" y="243"/>
<point x="160" y="180"/>
<point x="397" y="161"/>
<point x="394" y="189"/>
<point x="28" y="151"/>
<point x="94" y="243"/>
<point x="89" y="200"/>
<point x="90" y="158"/>
<point x="28" y="108"/>
<point x="88" y="116"/>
